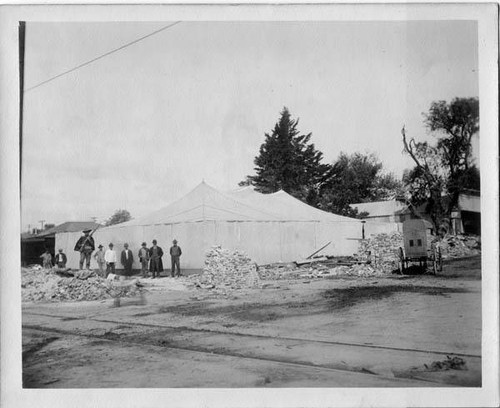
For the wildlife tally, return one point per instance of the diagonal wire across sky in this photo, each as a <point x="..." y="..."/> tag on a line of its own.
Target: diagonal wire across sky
<point x="101" y="56"/>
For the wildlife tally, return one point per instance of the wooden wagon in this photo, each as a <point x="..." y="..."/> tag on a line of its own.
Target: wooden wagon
<point x="419" y="247"/>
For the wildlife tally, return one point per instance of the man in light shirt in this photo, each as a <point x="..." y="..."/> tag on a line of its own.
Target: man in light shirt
<point x="127" y="260"/>
<point x="144" y="259"/>
<point x="175" y="254"/>
<point x="101" y="262"/>
<point x="110" y="258"/>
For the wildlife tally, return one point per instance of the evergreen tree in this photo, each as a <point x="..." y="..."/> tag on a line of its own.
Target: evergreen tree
<point x="288" y="161"/>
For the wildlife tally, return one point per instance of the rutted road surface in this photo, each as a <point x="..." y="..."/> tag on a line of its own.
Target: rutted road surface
<point x="332" y="333"/>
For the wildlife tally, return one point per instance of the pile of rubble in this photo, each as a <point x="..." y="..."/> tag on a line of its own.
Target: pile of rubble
<point x="66" y="285"/>
<point x="382" y="250"/>
<point x="320" y="269"/>
<point x="360" y="270"/>
<point x="280" y="271"/>
<point x="228" y="269"/>
<point x="458" y="246"/>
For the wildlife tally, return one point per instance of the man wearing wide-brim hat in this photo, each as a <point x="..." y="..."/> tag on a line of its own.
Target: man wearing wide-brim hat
<point x="85" y="245"/>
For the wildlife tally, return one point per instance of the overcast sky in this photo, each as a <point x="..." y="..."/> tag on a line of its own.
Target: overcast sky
<point x="143" y="126"/>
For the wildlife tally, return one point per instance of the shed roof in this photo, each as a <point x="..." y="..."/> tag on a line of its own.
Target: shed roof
<point x="69" y="226"/>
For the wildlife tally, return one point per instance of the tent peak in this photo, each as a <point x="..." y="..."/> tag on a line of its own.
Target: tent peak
<point x="245" y="188"/>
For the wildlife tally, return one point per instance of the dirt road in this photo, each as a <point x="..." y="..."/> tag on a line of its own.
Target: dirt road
<point x="370" y="332"/>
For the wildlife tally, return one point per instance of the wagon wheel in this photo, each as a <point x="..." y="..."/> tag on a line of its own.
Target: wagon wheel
<point x="401" y="263"/>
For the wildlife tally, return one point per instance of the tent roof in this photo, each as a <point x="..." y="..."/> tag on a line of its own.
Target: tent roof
<point x="205" y="203"/>
<point x="285" y="206"/>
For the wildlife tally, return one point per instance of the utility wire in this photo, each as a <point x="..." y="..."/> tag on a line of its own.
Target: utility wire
<point x="101" y="56"/>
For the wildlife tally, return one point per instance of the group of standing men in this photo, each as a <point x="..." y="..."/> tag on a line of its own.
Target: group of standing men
<point x="150" y="258"/>
<point x="59" y="260"/>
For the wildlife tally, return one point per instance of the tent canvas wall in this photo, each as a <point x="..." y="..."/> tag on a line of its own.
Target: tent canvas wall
<point x="268" y="227"/>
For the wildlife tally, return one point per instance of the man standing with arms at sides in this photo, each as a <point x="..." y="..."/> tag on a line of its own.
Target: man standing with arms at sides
<point x="175" y="254"/>
<point x="110" y="258"/>
<point x="144" y="259"/>
<point x="99" y="257"/>
<point x="155" y="264"/>
<point x="61" y="259"/>
<point x="85" y="245"/>
<point x="127" y="260"/>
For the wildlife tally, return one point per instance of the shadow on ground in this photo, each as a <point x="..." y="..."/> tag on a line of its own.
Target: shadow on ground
<point x="348" y="297"/>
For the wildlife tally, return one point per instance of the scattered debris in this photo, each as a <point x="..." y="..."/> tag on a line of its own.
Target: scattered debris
<point x="324" y="267"/>
<point x="459" y="246"/>
<point x="451" y="363"/>
<point x="47" y="285"/>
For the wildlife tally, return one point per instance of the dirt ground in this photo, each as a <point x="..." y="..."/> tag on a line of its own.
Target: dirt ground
<point x="364" y="332"/>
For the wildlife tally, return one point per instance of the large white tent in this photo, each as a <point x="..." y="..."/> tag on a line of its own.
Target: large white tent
<point x="268" y="227"/>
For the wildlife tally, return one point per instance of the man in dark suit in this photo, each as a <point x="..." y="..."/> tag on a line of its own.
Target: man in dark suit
<point x="155" y="262"/>
<point x="127" y="260"/>
<point x="61" y="259"/>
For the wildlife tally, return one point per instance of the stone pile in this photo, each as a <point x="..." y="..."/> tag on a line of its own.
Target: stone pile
<point x="317" y="270"/>
<point x="360" y="270"/>
<point x="37" y="283"/>
<point x="280" y="271"/>
<point x="229" y="269"/>
<point x="458" y="246"/>
<point x="355" y="270"/>
<point x="383" y="250"/>
<point x="48" y="285"/>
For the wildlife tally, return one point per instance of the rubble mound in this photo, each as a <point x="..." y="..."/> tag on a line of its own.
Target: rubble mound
<point x="383" y="250"/>
<point x="230" y="269"/>
<point x="47" y="285"/>
<point x="459" y="246"/>
<point x="329" y="268"/>
<point x="359" y="270"/>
